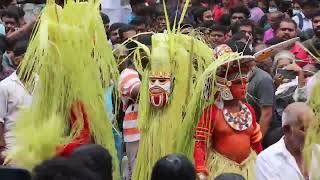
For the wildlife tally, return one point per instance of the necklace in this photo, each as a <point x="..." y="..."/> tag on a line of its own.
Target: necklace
<point x="239" y="121"/>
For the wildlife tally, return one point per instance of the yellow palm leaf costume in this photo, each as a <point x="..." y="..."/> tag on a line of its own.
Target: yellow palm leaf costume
<point x="70" y="54"/>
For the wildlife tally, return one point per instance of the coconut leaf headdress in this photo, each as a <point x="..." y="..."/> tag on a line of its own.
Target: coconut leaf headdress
<point x="184" y="57"/>
<point x="70" y="54"/>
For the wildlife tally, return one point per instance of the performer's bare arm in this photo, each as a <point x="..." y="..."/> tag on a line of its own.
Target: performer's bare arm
<point x="265" y="119"/>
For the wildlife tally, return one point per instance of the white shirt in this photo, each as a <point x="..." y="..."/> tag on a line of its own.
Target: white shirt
<point x="307" y="23"/>
<point x="276" y="163"/>
<point x="13" y="97"/>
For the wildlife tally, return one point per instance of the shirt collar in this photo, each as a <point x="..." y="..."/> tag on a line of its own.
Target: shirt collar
<point x="282" y="150"/>
<point x="14" y="76"/>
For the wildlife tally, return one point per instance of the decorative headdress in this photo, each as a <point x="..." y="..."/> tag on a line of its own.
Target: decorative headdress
<point x="74" y="63"/>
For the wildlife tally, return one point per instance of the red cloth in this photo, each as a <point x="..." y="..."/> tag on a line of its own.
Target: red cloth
<point x="77" y="113"/>
<point x="204" y="131"/>
<point x="302" y="56"/>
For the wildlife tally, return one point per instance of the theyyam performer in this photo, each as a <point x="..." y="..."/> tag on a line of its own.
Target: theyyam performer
<point x="175" y="62"/>
<point x="227" y="136"/>
<point x="74" y="64"/>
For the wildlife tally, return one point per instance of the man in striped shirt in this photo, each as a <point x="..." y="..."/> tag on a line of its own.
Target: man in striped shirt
<point x="129" y="87"/>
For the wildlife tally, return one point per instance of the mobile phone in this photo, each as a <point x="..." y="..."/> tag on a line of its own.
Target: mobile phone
<point x="287" y="74"/>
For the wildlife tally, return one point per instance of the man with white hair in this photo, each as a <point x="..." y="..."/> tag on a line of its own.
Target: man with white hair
<point x="284" y="160"/>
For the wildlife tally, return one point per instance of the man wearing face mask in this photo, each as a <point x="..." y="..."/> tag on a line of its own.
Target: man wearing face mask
<point x="313" y="45"/>
<point x="303" y="19"/>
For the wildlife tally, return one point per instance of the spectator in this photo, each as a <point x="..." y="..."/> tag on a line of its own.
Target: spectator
<point x="225" y="20"/>
<point x="303" y="19"/>
<point x="129" y="87"/>
<point x="96" y="158"/>
<point x="260" y="95"/>
<point x="246" y="26"/>
<point x="202" y="15"/>
<point x="255" y="12"/>
<point x="14" y="30"/>
<point x="159" y="20"/>
<point x="288" y="78"/>
<point x="273" y="20"/>
<point x="63" y="169"/>
<point x="286" y="29"/>
<point x="106" y="22"/>
<point x="126" y="32"/>
<point x="136" y="6"/>
<point x="258" y="35"/>
<point x="114" y="33"/>
<point x="217" y="35"/>
<point x="284" y="160"/>
<point x="239" y="13"/>
<point x="229" y="176"/>
<point x="140" y="24"/>
<point x="173" y="167"/>
<point x="313" y="45"/>
<point x="220" y="10"/>
<point x="296" y="7"/>
<point x="13" y="96"/>
<point x="10" y="19"/>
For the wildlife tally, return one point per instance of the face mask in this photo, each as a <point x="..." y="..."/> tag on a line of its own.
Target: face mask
<point x="159" y="90"/>
<point x="295" y="11"/>
<point x="273" y="9"/>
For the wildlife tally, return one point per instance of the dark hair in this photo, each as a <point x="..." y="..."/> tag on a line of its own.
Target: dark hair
<point x="124" y="29"/>
<point x="116" y="26"/>
<point x="240" y="9"/>
<point x="225" y="20"/>
<point x="229" y="176"/>
<point x="315" y="14"/>
<point x="245" y="22"/>
<point x="158" y="11"/>
<point x="207" y="24"/>
<point x="220" y="28"/>
<point x="18" y="10"/>
<point x="136" y="2"/>
<point x="10" y="13"/>
<point x="239" y="46"/>
<point x="96" y="158"/>
<point x="138" y="20"/>
<point x="311" y="3"/>
<point x="105" y="18"/>
<point x="61" y="168"/>
<point x="287" y="20"/>
<point x="173" y="167"/>
<point x="20" y="47"/>
<point x="198" y="13"/>
<point x="5" y="3"/>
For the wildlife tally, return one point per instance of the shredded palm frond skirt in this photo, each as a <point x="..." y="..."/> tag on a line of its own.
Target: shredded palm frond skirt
<point x="219" y="164"/>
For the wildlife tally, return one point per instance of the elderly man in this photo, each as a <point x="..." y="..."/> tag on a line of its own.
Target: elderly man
<point x="284" y="160"/>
